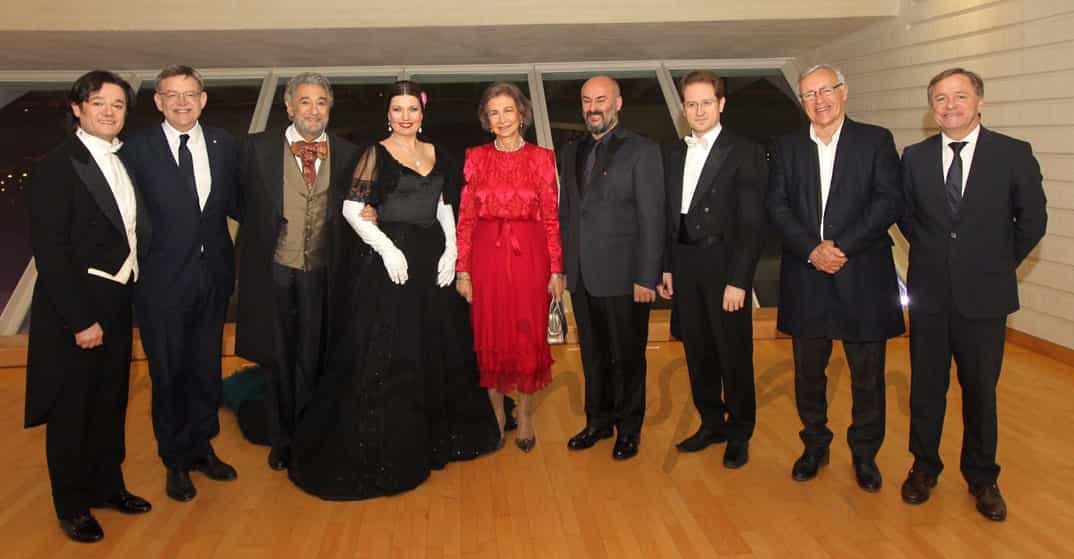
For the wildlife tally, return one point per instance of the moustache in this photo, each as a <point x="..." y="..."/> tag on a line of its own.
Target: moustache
<point x="594" y="113"/>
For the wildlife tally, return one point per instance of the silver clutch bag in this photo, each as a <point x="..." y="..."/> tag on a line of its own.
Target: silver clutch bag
<point x="557" y="323"/>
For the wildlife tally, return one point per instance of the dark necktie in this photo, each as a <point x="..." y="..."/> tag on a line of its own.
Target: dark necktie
<point x="591" y="161"/>
<point x="954" y="178"/>
<point x="186" y="166"/>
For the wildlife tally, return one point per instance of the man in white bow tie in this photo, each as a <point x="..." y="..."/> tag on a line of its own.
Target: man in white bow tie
<point x="715" y="214"/>
<point x="86" y="224"/>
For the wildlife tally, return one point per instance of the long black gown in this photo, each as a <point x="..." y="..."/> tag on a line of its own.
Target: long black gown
<point x="399" y="395"/>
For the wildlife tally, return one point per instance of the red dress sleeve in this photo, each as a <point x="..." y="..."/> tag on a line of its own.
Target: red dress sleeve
<point x="548" y="195"/>
<point x="467" y="213"/>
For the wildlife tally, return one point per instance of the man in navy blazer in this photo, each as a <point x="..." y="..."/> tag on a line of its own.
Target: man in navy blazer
<point x="833" y="194"/>
<point x="975" y="208"/>
<point x="187" y="174"/>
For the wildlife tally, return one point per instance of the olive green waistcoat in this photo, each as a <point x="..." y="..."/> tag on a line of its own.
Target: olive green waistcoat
<point x="302" y="238"/>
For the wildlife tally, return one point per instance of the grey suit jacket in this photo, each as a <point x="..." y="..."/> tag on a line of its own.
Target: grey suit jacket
<point x="613" y="228"/>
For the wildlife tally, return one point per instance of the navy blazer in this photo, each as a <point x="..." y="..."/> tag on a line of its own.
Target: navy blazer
<point x="860" y="302"/>
<point x="169" y="267"/>
<point x="971" y="260"/>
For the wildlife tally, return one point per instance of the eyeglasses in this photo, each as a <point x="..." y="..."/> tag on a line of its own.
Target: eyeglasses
<point x="171" y="96"/>
<point x="693" y="105"/>
<point x="826" y="92"/>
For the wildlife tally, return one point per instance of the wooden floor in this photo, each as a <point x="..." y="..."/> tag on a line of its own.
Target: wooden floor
<point x="556" y="503"/>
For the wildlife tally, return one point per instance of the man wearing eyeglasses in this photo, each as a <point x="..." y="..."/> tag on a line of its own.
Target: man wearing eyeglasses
<point x="188" y="175"/>
<point x="975" y="208"/>
<point x="833" y="193"/>
<point x="715" y="183"/>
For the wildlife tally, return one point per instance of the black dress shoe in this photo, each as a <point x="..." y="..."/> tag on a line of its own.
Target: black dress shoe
<point x="990" y="502"/>
<point x="589" y="437"/>
<point x="82" y="528"/>
<point x="626" y="447"/>
<point x="214" y="468"/>
<point x="126" y="503"/>
<point x="178" y="485"/>
<point x="526" y="445"/>
<point x="736" y="454"/>
<point x="916" y="488"/>
<point x="805" y="468"/>
<point x="700" y="440"/>
<point x="279" y="457"/>
<point x="867" y="474"/>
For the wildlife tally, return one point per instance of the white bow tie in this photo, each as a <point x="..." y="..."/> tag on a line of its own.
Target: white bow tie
<point x="693" y="141"/>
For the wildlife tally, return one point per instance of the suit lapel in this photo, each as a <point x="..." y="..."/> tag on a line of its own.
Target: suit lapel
<point x="812" y="176"/>
<point x="979" y="161"/>
<point x="678" y="165"/>
<point x="604" y="158"/>
<point x="270" y="159"/>
<point x="93" y="178"/>
<point x="843" y="159"/>
<point x="715" y="160"/>
<point x="212" y="148"/>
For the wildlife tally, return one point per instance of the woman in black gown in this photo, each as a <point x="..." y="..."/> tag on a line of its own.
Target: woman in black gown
<point x="399" y="396"/>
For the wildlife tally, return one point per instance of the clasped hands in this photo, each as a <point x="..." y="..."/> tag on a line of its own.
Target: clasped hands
<point x="827" y="257"/>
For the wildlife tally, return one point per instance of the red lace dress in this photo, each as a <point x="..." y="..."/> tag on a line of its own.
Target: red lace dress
<point x="508" y="240"/>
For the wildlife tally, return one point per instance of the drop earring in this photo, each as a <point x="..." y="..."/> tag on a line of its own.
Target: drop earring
<point x="389" y="127"/>
<point x="419" y="130"/>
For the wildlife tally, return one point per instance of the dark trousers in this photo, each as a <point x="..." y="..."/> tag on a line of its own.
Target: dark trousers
<point x="85" y="436"/>
<point x="718" y="344"/>
<point x="183" y="345"/>
<point x="867" y="387"/>
<point x="612" y="332"/>
<point x="977" y="347"/>
<point x="299" y="297"/>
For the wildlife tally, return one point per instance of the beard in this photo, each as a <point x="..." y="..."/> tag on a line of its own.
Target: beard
<point x="607" y="121"/>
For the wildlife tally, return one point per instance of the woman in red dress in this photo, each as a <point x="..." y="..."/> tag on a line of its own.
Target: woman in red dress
<point x="510" y="260"/>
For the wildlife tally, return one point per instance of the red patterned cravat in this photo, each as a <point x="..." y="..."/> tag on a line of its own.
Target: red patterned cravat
<point x="309" y="153"/>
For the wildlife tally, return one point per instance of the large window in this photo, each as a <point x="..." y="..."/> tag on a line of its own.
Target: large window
<point x="230" y="106"/>
<point x="645" y="110"/>
<point x="34" y="122"/>
<point x="358" y="112"/>
<point x="451" y="116"/>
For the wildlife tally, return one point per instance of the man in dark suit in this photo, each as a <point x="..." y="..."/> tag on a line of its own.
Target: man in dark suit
<point x="715" y="216"/>
<point x="833" y="194"/>
<point x="974" y="209"/>
<point x="293" y="183"/>
<point x="86" y="222"/>
<point x="187" y="174"/>
<point x="612" y="225"/>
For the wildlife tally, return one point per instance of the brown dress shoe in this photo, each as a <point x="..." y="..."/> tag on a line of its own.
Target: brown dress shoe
<point x="916" y="488"/>
<point x="989" y="501"/>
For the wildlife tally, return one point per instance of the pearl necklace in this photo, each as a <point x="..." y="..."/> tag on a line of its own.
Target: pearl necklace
<point x="500" y="147"/>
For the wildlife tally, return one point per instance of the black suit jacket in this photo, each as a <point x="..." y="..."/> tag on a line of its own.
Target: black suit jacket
<point x="75" y="224"/>
<point x="613" y="233"/>
<point x="727" y="206"/>
<point x="971" y="259"/>
<point x="169" y="268"/>
<point x="261" y="212"/>
<point x="861" y="301"/>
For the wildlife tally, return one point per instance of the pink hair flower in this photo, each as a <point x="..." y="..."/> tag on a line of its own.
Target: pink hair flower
<point x="424" y="99"/>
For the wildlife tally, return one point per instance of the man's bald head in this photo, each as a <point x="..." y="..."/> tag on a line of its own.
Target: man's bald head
<point x="601" y="103"/>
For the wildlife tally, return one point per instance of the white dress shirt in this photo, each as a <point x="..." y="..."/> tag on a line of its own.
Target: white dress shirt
<point x="826" y="157"/>
<point x="966" y="154"/>
<point x="293" y="136"/>
<point x="203" y="176"/>
<point x="115" y="173"/>
<point x="697" y="152"/>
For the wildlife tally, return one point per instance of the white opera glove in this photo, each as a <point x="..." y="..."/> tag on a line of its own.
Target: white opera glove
<point x="393" y="258"/>
<point x="445" y="269"/>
